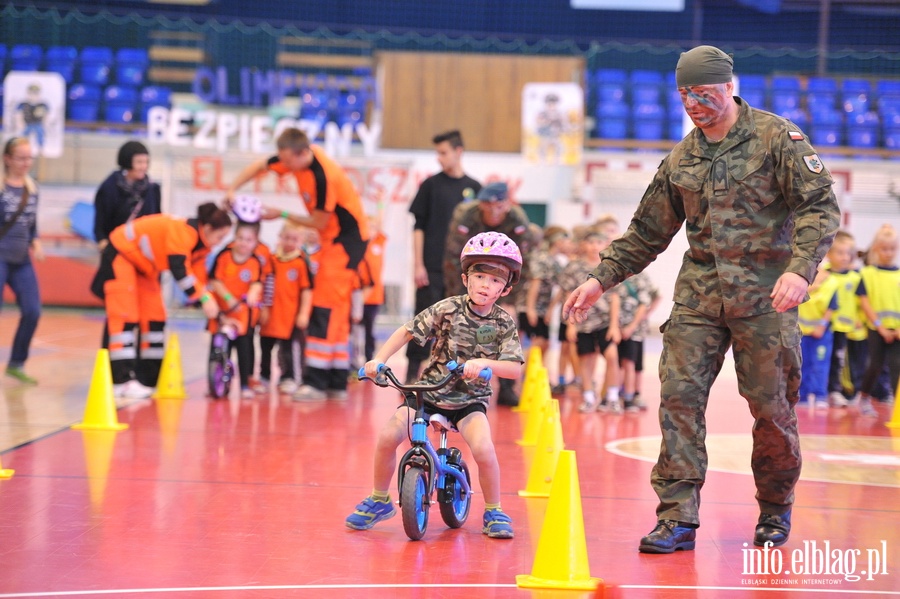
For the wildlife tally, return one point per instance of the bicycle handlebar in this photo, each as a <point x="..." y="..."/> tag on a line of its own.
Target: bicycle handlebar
<point x="387" y="378"/>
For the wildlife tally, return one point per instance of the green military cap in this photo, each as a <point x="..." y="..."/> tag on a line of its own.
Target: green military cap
<point x="703" y="65"/>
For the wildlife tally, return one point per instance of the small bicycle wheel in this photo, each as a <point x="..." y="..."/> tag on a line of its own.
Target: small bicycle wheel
<point x="456" y="511"/>
<point x="218" y="376"/>
<point x="414" y="502"/>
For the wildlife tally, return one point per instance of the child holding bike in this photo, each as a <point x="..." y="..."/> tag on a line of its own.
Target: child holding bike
<point x="469" y="329"/>
<point x="235" y="280"/>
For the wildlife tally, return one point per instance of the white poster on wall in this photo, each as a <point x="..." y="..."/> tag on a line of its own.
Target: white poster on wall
<point x="34" y="106"/>
<point x="552" y="123"/>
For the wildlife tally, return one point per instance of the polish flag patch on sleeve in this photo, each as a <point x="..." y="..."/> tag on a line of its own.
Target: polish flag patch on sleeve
<point x="796" y="135"/>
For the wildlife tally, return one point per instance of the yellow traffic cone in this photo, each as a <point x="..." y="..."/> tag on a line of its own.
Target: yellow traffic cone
<point x="561" y="560"/>
<point x="549" y="444"/>
<point x="894" y="422"/>
<point x="170" y="384"/>
<point x="100" y="410"/>
<point x="534" y="419"/>
<point x="531" y="383"/>
<point x="6" y="472"/>
<point x="532" y="364"/>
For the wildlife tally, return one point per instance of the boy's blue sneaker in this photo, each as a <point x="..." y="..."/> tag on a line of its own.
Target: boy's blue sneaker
<point x="497" y="525"/>
<point x="369" y="513"/>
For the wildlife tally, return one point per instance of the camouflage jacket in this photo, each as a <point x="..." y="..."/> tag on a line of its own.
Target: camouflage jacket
<point x="460" y="334"/>
<point x="574" y="274"/>
<point x="466" y="224"/>
<point x="544" y="271"/>
<point x="756" y="205"/>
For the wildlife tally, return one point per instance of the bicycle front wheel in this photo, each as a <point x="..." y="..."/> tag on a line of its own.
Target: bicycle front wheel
<point x="456" y="502"/>
<point x="414" y="502"/>
<point x="218" y="376"/>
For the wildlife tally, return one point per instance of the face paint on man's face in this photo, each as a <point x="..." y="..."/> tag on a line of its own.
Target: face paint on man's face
<point x="706" y="105"/>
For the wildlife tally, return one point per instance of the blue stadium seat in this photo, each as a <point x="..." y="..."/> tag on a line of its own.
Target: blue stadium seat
<point x="95" y="63"/>
<point x="84" y="102"/>
<point x="350" y="108"/>
<point x="131" y="65"/>
<point x="25" y="57"/>
<point x="862" y="129"/>
<point x="154" y="95"/>
<point x="752" y="88"/>
<point x="785" y="93"/>
<point x="826" y="128"/>
<point x="612" y="120"/>
<point x="610" y="85"/>
<point x="676" y="130"/>
<point x="646" y="86"/>
<point x="855" y="95"/>
<point x="61" y="59"/>
<point x="821" y="93"/>
<point x="798" y="116"/>
<point x="120" y="104"/>
<point x="649" y="121"/>
<point x="892" y="138"/>
<point x="3" y="53"/>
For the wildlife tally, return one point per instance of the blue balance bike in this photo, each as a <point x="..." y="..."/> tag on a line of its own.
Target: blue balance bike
<point x="424" y="470"/>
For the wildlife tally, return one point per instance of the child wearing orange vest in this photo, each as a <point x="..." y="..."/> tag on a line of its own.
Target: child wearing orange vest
<point x="235" y="280"/>
<point x="286" y="309"/>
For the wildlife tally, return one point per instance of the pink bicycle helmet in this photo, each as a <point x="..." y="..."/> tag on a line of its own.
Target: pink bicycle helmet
<point x="492" y="246"/>
<point x="247" y="209"/>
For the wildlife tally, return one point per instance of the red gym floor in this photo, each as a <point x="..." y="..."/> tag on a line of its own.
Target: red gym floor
<point x="246" y="498"/>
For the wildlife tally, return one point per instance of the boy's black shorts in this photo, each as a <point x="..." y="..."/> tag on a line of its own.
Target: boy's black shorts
<point x="593" y="342"/>
<point x="454" y="416"/>
<point x="629" y="349"/>
<point x="541" y="330"/>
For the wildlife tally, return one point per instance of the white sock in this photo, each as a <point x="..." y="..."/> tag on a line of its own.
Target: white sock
<point x="612" y="394"/>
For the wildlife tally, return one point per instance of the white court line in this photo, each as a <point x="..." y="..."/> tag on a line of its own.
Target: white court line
<point x="748" y="589"/>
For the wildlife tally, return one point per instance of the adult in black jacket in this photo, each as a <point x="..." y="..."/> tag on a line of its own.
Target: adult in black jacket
<point x="126" y="194"/>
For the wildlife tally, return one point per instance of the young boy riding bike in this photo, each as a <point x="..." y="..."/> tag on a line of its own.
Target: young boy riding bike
<point x="471" y="330"/>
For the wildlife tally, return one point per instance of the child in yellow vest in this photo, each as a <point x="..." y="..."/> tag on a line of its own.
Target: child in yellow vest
<point x="846" y="323"/>
<point x="815" y="324"/>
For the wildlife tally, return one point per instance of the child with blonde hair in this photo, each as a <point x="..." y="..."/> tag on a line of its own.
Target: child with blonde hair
<point x="879" y="297"/>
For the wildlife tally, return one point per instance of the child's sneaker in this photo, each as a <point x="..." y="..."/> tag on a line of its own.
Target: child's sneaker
<point x="497" y="525"/>
<point x="287" y="386"/>
<point x="866" y="408"/>
<point x="837" y="399"/>
<point x="17" y="373"/>
<point x="247" y="393"/>
<point x="821" y="403"/>
<point x="369" y="513"/>
<point x="260" y="386"/>
<point x="615" y="406"/>
<point x="589" y="403"/>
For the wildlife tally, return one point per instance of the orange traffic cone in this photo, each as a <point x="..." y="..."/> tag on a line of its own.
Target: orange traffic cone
<point x="549" y="444"/>
<point x="6" y="472"/>
<point x="170" y="384"/>
<point x="100" y="410"/>
<point x="561" y="560"/>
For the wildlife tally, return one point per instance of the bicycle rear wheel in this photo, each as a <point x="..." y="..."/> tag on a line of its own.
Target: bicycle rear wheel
<point x="455" y="511"/>
<point x="414" y="494"/>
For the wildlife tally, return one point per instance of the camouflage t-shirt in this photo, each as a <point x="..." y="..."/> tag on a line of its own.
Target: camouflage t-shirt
<point x="633" y="296"/>
<point x="460" y="334"/>
<point x="574" y="274"/>
<point x="755" y="206"/>
<point x="544" y="269"/>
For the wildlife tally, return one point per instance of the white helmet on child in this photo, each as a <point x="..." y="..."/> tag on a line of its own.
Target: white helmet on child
<point x="247" y="209"/>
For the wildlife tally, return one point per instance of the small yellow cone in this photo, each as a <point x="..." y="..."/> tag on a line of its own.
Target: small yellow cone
<point x="170" y="384"/>
<point x="535" y="416"/>
<point x="6" y="472"/>
<point x="100" y="409"/>
<point x="894" y="422"/>
<point x="534" y="362"/>
<point x="534" y="419"/>
<point x="549" y="445"/>
<point x="561" y="561"/>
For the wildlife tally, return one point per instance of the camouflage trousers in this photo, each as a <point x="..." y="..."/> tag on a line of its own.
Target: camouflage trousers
<point x="767" y="359"/>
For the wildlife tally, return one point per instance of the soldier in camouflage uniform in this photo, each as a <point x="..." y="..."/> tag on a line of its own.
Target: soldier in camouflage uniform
<point x="471" y="330"/>
<point x="494" y="211"/>
<point x="760" y="213"/>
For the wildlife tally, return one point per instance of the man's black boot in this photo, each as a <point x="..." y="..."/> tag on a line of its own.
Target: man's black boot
<point x="667" y="537"/>
<point x="772" y="529"/>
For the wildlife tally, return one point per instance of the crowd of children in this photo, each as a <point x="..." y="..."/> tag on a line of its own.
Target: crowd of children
<point x="850" y="326"/>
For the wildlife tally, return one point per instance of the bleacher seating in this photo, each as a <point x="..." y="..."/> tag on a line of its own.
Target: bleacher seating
<point x="61" y="59"/>
<point x="25" y="57"/>
<point x="95" y="65"/>
<point x="131" y="66"/>
<point x="612" y="120"/>
<point x="154" y="95"/>
<point x="119" y="104"/>
<point x="84" y="102"/>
